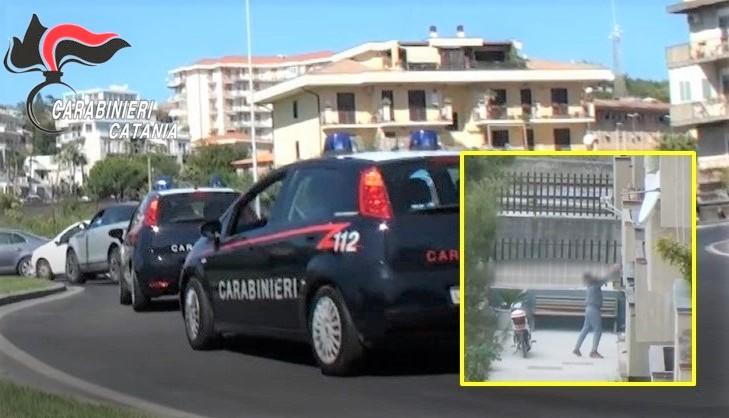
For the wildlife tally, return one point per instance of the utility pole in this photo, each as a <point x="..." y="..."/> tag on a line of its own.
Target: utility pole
<point x="619" y="88"/>
<point x="252" y="103"/>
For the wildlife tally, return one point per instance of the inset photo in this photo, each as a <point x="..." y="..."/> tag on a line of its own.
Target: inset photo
<point x="578" y="269"/>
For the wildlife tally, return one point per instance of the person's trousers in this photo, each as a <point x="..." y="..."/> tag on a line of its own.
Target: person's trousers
<point x="593" y="322"/>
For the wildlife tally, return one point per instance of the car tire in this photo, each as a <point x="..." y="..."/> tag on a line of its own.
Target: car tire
<point x="73" y="269"/>
<point x="125" y="296"/>
<point x="43" y="270"/>
<point x="140" y="301"/>
<point x="334" y="339"/>
<point x="199" y="317"/>
<point x="25" y="267"/>
<point x="115" y="264"/>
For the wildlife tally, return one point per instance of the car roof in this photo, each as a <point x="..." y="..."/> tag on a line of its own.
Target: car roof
<point x="378" y="156"/>
<point x="184" y="190"/>
<point x="121" y="204"/>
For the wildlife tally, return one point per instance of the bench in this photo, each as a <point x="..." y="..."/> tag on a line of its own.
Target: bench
<point x="564" y="305"/>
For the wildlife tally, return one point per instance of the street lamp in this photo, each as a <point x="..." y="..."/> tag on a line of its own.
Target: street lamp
<point x="252" y="104"/>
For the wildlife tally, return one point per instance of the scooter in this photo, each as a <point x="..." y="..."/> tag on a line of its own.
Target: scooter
<point x="521" y="330"/>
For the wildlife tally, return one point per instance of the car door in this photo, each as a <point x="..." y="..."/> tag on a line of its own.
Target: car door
<point x="318" y="199"/>
<point x="82" y="238"/>
<point x="239" y="271"/>
<point x="99" y="239"/>
<point x="57" y="258"/>
<point x="8" y="252"/>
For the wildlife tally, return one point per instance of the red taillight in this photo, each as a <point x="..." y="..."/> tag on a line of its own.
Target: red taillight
<point x="159" y="284"/>
<point x="373" y="200"/>
<point x="152" y="212"/>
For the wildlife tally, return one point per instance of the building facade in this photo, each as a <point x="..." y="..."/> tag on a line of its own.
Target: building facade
<point x="658" y="309"/>
<point x="699" y="79"/>
<point x="630" y="123"/>
<point x="95" y="140"/>
<point x="211" y="97"/>
<point x="473" y="92"/>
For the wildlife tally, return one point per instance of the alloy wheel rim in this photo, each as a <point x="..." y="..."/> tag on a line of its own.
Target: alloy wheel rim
<point x="326" y="330"/>
<point x="192" y="313"/>
<point x="25" y="268"/>
<point x="44" y="270"/>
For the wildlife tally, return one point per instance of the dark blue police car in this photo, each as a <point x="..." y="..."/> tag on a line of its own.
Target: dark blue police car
<point x="347" y="252"/>
<point x="160" y="233"/>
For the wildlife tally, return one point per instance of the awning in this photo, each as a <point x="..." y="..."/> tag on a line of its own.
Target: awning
<point x="422" y="55"/>
<point x="652" y="186"/>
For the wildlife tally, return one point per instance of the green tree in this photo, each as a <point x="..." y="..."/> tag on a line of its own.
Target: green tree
<point x="209" y="160"/>
<point x="43" y="143"/>
<point x="483" y="176"/>
<point x="657" y="89"/>
<point x="677" y="142"/>
<point x="118" y="176"/>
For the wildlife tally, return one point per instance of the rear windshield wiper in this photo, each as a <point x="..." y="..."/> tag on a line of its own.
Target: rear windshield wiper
<point x="442" y="208"/>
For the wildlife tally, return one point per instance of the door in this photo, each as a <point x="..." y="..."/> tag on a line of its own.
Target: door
<point x="246" y="286"/>
<point x="416" y="104"/>
<point x="57" y="260"/>
<point x="526" y="102"/>
<point x="8" y="252"/>
<point x="83" y="236"/>
<point x="562" y="140"/>
<point x="559" y="101"/>
<point x="345" y="107"/>
<point x="98" y="238"/>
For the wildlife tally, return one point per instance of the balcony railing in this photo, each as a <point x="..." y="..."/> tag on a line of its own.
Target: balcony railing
<point x="697" y="52"/>
<point x="686" y="114"/>
<point x="526" y="112"/>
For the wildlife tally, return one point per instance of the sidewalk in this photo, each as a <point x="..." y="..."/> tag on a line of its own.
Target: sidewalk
<point x="551" y="359"/>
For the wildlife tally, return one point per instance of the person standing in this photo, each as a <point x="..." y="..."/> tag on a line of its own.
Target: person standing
<point x="593" y="308"/>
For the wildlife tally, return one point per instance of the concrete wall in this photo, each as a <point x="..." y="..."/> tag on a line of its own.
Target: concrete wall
<point x="304" y="130"/>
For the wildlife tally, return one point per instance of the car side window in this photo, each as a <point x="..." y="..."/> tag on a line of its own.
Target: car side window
<point x="318" y="194"/>
<point x="4" y="238"/>
<point x="97" y="220"/>
<point x="17" y="239"/>
<point x="246" y="218"/>
<point x="67" y="236"/>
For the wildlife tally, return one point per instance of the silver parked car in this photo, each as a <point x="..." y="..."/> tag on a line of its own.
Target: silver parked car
<point x="16" y="250"/>
<point x="91" y="251"/>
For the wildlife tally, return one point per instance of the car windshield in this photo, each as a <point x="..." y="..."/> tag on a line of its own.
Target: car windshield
<point x="194" y="207"/>
<point x="423" y="186"/>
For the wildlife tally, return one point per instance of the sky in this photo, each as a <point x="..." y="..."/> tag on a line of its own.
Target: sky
<point x="165" y="34"/>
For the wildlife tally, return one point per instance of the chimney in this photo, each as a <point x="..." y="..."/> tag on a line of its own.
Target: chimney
<point x="459" y="31"/>
<point x="433" y="31"/>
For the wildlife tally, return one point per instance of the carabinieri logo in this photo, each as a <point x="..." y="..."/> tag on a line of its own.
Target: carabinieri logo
<point x="48" y="50"/>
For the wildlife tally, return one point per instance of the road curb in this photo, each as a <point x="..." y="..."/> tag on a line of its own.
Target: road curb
<point x="31" y="294"/>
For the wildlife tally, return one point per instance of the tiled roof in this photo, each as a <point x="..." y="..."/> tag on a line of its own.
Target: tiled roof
<point x="265" y="59"/>
<point x="343" y="67"/>
<point x="540" y="64"/>
<point x="264" y="158"/>
<point x="632" y="103"/>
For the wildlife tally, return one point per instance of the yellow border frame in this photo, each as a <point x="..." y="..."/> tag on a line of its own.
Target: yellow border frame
<point x="692" y="154"/>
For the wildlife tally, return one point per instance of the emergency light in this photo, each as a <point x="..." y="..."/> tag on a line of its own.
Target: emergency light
<point x="423" y="139"/>
<point x="339" y="143"/>
<point x="163" y="183"/>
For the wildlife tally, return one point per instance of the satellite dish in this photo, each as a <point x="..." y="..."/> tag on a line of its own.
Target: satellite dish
<point x="652" y="183"/>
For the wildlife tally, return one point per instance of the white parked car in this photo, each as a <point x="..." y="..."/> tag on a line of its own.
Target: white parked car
<point x="49" y="259"/>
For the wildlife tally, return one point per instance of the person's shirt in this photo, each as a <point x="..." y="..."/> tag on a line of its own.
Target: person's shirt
<point x="594" y="290"/>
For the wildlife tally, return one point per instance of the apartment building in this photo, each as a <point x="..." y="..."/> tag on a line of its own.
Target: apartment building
<point x="475" y="93"/>
<point x="630" y="123"/>
<point x="699" y="79"/>
<point x="95" y="140"/>
<point x="658" y="329"/>
<point x="211" y="97"/>
<point x="13" y="139"/>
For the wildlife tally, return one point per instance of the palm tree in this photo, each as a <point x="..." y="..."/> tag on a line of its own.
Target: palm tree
<point x="72" y="155"/>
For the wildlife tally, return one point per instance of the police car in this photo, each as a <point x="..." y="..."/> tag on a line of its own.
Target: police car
<point x="160" y="234"/>
<point x="346" y="252"/>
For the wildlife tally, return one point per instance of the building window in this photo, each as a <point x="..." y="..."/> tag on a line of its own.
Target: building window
<point x="562" y="140"/>
<point x="416" y="104"/>
<point x="560" y="99"/>
<point x="530" y="139"/>
<point x="387" y="96"/>
<point x="345" y="107"/>
<point x="298" y="151"/>
<point x="685" y="91"/>
<point x="454" y="125"/>
<point x="706" y="87"/>
<point x="500" y="138"/>
<point x="296" y="109"/>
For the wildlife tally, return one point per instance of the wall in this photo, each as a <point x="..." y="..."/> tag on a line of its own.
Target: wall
<point x="304" y="129"/>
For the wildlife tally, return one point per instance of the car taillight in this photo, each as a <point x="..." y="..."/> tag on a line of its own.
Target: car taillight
<point x="373" y="200"/>
<point x="152" y="212"/>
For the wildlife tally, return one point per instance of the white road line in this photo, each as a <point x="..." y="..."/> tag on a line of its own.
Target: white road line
<point x="711" y="248"/>
<point x="38" y="366"/>
<point x="714" y="225"/>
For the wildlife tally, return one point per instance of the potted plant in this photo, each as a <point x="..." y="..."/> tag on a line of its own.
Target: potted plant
<point x="676" y="254"/>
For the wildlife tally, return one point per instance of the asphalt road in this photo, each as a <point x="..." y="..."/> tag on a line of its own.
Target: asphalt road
<point x="92" y="337"/>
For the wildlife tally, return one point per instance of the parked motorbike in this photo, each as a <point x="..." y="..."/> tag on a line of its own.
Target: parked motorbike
<point x="521" y="331"/>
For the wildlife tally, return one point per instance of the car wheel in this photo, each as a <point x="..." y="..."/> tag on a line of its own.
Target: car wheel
<point x="199" y="318"/>
<point x="334" y="338"/>
<point x="25" y="267"/>
<point x="115" y="264"/>
<point x="125" y="296"/>
<point x="43" y="269"/>
<point x="73" y="270"/>
<point x="140" y="301"/>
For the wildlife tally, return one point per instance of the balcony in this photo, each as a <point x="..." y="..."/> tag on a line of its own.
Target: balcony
<point x="709" y="111"/>
<point x="383" y="118"/>
<point x="538" y="114"/>
<point x="173" y="82"/>
<point x="697" y="52"/>
<point x="176" y="113"/>
<point x="495" y="115"/>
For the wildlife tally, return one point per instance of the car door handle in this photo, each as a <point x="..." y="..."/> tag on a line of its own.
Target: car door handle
<point x="310" y="238"/>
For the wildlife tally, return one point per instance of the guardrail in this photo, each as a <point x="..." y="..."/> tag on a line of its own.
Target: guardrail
<point x="595" y="251"/>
